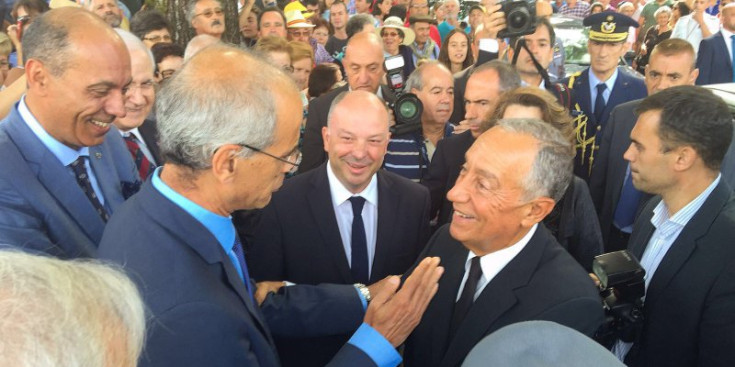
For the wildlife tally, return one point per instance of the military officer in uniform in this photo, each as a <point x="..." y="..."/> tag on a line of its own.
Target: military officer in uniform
<point x="602" y="86"/>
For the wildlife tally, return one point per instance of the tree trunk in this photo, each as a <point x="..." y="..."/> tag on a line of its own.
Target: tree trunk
<point x="175" y="11"/>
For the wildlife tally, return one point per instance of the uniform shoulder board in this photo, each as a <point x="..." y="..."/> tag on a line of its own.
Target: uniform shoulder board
<point x="572" y="78"/>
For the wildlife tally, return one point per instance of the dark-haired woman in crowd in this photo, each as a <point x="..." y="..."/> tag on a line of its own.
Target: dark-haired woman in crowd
<point x="381" y="9"/>
<point x="455" y="52"/>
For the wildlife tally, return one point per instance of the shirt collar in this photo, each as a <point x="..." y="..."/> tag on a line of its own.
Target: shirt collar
<point x="685" y="214"/>
<point x="220" y="227"/>
<point x="726" y="34"/>
<point x="133" y="131"/>
<point x="610" y="81"/>
<point x="494" y="262"/>
<point x="340" y="194"/>
<point x="62" y="152"/>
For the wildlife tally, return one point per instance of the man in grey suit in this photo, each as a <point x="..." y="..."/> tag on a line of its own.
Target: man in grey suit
<point x="62" y="174"/>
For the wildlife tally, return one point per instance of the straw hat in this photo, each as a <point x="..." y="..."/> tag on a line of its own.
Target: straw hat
<point x="295" y="19"/>
<point x="297" y="5"/>
<point x="397" y="23"/>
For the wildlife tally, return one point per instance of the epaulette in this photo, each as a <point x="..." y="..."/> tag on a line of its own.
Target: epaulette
<point x="571" y="79"/>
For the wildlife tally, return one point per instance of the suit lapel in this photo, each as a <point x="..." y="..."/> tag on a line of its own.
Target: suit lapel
<point x="723" y="48"/>
<point x="192" y="233"/>
<point x="389" y="203"/>
<point x="320" y="204"/>
<point x="104" y="170"/>
<point x="617" y="95"/>
<point x="497" y="298"/>
<point x="56" y="178"/>
<point x="642" y="230"/>
<point x="686" y="242"/>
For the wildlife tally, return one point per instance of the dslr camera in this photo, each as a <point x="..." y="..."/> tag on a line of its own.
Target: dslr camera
<point x="407" y="108"/>
<point x="520" y="18"/>
<point x="622" y="287"/>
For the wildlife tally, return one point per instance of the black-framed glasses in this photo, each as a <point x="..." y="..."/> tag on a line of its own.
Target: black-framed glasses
<point x="209" y="12"/>
<point x="294" y="159"/>
<point x="156" y="39"/>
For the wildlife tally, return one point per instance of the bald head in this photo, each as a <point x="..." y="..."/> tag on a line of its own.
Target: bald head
<point x="347" y="105"/>
<point x="198" y="43"/>
<point x="49" y="37"/>
<point x="363" y="62"/>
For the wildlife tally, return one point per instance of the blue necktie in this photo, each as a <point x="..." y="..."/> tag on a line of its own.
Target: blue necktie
<point x="600" y="102"/>
<point x="240" y="254"/>
<point x="82" y="176"/>
<point x="627" y="204"/>
<point x="359" y="261"/>
<point x="732" y="42"/>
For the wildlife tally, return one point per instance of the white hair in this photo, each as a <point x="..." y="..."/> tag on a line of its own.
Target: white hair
<point x="416" y="79"/>
<point x="552" y="168"/>
<point x="67" y="313"/>
<point x="133" y="43"/>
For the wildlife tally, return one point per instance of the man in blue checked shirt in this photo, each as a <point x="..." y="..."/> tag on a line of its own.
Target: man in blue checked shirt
<point x="227" y="146"/>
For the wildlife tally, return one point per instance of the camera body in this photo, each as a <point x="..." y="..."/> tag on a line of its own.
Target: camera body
<point x="520" y="18"/>
<point x="407" y="108"/>
<point x="622" y="284"/>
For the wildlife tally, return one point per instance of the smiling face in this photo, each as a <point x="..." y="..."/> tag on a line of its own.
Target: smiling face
<point x="391" y="40"/>
<point x="458" y="47"/>
<point x="78" y="107"/>
<point x="141" y="94"/>
<point x="488" y="196"/>
<point x="356" y="139"/>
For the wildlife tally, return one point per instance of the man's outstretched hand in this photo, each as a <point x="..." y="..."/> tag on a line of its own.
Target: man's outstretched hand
<point x="395" y="314"/>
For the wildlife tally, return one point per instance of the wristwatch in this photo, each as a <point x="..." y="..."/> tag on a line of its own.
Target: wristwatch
<point x="363" y="289"/>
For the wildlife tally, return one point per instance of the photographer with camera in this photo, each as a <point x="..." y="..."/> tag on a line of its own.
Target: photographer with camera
<point x="410" y="153"/>
<point x="684" y="236"/>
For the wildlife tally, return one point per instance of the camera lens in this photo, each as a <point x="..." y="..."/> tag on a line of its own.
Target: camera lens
<point x="407" y="109"/>
<point x="518" y="19"/>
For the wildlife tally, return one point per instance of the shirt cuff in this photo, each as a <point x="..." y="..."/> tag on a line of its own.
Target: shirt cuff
<point x="489" y="45"/>
<point x="375" y="346"/>
<point x="362" y="299"/>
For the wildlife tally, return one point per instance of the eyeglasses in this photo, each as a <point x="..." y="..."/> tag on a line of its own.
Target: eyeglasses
<point x="144" y="86"/>
<point x="294" y="159"/>
<point x="287" y="68"/>
<point x="156" y="39"/>
<point x="303" y="33"/>
<point x="209" y="12"/>
<point x="390" y="34"/>
<point x="165" y="74"/>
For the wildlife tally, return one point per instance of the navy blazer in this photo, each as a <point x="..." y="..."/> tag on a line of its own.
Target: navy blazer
<point x="689" y="310"/>
<point x="42" y="207"/>
<point x="201" y="313"/>
<point x="626" y="88"/>
<point x="713" y="61"/>
<point x="543" y="282"/>
<point x="298" y="240"/>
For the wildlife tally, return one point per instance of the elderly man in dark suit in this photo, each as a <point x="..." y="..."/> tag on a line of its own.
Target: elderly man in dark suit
<point x="715" y="56"/>
<point x="177" y="238"/>
<point x="684" y="236"/>
<point x="62" y="174"/>
<point x="344" y="222"/>
<point x="363" y="62"/>
<point x="502" y="266"/>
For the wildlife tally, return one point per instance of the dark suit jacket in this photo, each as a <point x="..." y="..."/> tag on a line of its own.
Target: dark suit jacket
<point x="626" y="88"/>
<point x="541" y="283"/>
<point x="298" y="240"/>
<point x="42" y="207"/>
<point x="443" y="172"/>
<point x="313" y="153"/>
<point x="713" y="61"/>
<point x="460" y="84"/>
<point x="201" y="312"/>
<point x="149" y="133"/>
<point x="689" y="311"/>
<point x="608" y="172"/>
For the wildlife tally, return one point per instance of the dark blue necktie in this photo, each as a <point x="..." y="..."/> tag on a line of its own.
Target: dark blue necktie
<point x="82" y="176"/>
<point x="732" y="42"/>
<point x="240" y="254"/>
<point x="467" y="298"/>
<point x="627" y="204"/>
<point x="600" y="102"/>
<point x="359" y="260"/>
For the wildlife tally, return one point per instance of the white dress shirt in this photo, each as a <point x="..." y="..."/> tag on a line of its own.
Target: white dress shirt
<point x="343" y="211"/>
<point x="688" y="29"/>
<point x="494" y="262"/>
<point x="141" y="143"/>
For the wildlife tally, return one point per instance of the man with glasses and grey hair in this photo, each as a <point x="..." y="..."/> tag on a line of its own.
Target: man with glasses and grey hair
<point x="345" y="221"/>
<point x="227" y="145"/>
<point x="206" y="17"/>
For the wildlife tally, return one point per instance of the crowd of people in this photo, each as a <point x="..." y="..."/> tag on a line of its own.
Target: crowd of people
<point x="261" y="204"/>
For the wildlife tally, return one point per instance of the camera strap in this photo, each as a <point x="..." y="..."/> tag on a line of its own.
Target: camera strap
<point x="544" y="74"/>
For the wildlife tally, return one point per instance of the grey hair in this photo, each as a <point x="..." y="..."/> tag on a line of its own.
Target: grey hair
<point x="133" y="43"/>
<point x="67" y="313"/>
<point x="663" y="9"/>
<point x="416" y="79"/>
<point x="47" y="40"/>
<point x="191" y="9"/>
<point x="552" y="168"/>
<point x="356" y="23"/>
<point x="507" y="74"/>
<point x="198" y="43"/>
<point x="197" y="116"/>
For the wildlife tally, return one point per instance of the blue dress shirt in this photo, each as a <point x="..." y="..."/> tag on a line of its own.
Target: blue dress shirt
<point x="610" y="82"/>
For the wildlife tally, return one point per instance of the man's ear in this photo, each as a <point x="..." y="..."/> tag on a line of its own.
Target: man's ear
<point x="224" y="161"/>
<point x="537" y="210"/>
<point x="37" y="76"/>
